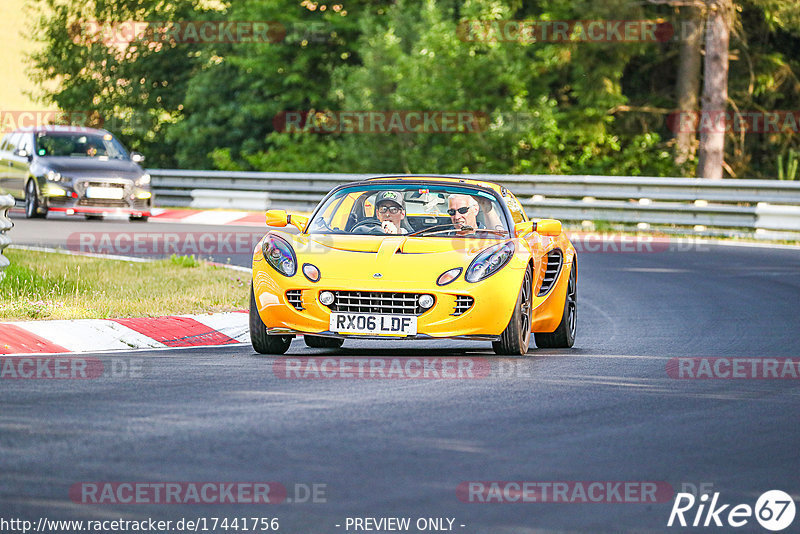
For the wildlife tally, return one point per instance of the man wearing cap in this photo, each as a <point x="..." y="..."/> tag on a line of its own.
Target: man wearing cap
<point x="390" y="209"/>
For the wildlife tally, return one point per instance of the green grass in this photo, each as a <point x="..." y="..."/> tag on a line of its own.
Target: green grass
<point x="42" y="285"/>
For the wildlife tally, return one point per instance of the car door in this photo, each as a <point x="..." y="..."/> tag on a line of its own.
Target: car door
<point x="19" y="165"/>
<point x="11" y="168"/>
<point x="3" y="164"/>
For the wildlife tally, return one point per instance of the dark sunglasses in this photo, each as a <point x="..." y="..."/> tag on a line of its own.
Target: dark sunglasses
<point x="389" y="209"/>
<point x="462" y="210"/>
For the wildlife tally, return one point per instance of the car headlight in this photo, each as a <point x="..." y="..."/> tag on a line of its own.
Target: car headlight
<point x="489" y="261"/>
<point x="143" y="180"/>
<point x="53" y="176"/>
<point x="278" y="253"/>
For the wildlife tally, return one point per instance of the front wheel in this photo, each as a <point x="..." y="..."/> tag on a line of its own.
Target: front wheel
<point x="32" y="208"/>
<point x="564" y="336"/>
<point x="141" y="218"/>
<point x="319" y="342"/>
<point x="263" y="342"/>
<point x="516" y="337"/>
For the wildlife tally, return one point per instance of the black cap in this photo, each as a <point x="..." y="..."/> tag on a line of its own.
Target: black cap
<point x="390" y="196"/>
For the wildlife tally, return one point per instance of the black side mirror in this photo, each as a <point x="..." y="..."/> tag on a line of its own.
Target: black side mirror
<point x="137" y="158"/>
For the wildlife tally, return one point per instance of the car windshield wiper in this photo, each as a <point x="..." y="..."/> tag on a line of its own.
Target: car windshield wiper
<point x="502" y="233"/>
<point x="442" y="228"/>
<point x="432" y="228"/>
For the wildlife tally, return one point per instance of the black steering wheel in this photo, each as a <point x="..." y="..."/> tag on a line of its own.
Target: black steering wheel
<point x="373" y="224"/>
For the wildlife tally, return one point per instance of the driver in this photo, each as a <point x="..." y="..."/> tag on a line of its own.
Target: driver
<point x="463" y="211"/>
<point x="390" y="209"/>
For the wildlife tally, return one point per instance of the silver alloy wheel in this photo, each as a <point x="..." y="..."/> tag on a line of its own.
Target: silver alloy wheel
<point x="30" y="200"/>
<point x="525" y="307"/>
<point x="572" y="303"/>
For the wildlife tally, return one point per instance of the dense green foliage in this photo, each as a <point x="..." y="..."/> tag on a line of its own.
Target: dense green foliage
<point x="546" y="107"/>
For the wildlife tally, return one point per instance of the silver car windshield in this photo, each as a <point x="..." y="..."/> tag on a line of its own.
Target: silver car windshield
<point x="79" y="145"/>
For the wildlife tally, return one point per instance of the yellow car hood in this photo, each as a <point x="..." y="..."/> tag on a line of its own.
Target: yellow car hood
<point x="355" y="257"/>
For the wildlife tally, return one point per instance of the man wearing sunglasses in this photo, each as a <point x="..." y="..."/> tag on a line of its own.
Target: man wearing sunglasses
<point x="463" y="212"/>
<point x="390" y="209"/>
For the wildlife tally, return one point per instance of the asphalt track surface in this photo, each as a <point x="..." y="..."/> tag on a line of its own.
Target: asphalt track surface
<point x="606" y="410"/>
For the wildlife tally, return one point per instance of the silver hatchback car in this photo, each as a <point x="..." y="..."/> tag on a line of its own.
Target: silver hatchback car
<point x="74" y="170"/>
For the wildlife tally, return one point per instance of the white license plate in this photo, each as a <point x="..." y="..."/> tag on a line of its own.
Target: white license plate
<point x="373" y="324"/>
<point x="108" y="193"/>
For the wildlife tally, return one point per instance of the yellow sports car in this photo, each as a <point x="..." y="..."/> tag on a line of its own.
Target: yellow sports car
<point x="414" y="257"/>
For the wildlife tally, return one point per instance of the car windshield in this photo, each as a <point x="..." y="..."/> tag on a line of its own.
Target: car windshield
<point x="79" y="145"/>
<point x="430" y="210"/>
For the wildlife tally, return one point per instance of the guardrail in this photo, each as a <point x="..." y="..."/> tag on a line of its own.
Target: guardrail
<point x="769" y="208"/>
<point x="6" y="203"/>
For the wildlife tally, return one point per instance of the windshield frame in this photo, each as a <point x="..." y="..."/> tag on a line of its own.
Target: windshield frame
<point x="394" y="184"/>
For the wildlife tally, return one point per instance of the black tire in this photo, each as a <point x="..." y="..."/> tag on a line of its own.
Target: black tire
<point x="143" y="218"/>
<point x="32" y="208"/>
<point x="564" y="336"/>
<point x="263" y="342"/>
<point x="94" y="217"/>
<point x="319" y="342"/>
<point x="516" y="338"/>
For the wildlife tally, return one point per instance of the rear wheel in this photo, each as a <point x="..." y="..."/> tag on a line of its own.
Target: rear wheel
<point x="319" y="342"/>
<point x="142" y="218"/>
<point x="32" y="208"/>
<point x="263" y="342"/>
<point x="564" y="336"/>
<point x="93" y="217"/>
<point x="516" y="337"/>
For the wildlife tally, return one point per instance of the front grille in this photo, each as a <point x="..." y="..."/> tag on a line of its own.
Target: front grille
<point x="293" y="296"/>
<point x="554" y="260"/>
<point x="463" y="303"/>
<point x="103" y="203"/>
<point x="377" y="302"/>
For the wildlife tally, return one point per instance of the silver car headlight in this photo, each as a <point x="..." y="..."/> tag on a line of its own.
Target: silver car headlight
<point x="279" y="254"/>
<point x="489" y="261"/>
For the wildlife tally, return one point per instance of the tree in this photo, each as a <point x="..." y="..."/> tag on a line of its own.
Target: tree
<point x="688" y="82"/>
<point x="715" y="89"/>
<point x="136" y="87"/>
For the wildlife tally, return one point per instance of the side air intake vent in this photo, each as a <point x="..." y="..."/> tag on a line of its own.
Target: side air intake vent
<point x="555" y="258"/>
<point x="463" y="303"/>
<point x="294" y="298"/>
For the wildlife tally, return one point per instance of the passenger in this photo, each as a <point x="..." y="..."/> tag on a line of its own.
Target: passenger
<point x="489" y="214"/>
<point x="390" y="209"/>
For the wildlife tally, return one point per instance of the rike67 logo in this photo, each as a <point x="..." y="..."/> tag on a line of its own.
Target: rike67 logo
<point x="774" y="510"/>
